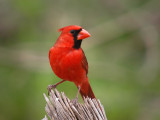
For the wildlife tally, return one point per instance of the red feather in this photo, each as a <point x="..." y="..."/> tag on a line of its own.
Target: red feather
<point x="85" y="63"/>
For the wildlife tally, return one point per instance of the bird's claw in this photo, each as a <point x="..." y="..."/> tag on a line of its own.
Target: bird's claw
<point x="50" y="87"/>
<point x="74" y="101"/>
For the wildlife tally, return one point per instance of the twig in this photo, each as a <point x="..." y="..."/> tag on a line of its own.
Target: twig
<point x="59" y="107"/>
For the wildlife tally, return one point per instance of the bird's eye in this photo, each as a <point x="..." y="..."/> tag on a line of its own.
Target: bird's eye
<point x="72" y="31"/>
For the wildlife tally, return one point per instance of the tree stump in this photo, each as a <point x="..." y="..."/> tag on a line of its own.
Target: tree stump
<point x="60" y="107"/>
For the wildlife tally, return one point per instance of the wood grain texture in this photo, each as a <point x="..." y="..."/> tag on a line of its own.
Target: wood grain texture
<point x="59" y="107"/>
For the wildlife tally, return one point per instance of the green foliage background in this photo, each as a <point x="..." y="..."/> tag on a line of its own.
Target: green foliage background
<point x="123" y="54"/>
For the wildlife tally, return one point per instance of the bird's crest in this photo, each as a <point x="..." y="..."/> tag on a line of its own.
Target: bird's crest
<point x="61" y="29"/>
<point x="70" y="27"/>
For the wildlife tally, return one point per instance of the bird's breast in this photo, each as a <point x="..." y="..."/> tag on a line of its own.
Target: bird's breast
<point x="66" y="63"/>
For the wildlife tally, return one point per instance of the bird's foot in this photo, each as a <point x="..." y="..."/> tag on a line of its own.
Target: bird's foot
<point x="74" y="101"/>
<point x="50" y="87"/>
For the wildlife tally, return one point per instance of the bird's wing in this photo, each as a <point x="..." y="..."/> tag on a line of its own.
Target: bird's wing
<point x="84" y="63"/>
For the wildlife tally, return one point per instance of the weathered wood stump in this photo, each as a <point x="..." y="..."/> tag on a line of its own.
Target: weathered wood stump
<point x="59" y="107"/>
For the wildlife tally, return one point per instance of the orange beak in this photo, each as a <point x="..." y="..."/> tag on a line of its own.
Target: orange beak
<point x="83" y="34"/>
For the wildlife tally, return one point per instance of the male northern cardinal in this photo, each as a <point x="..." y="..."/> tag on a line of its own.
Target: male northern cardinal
<point x="68" y="60"/>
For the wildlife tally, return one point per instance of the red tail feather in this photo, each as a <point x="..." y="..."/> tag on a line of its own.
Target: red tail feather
<point x="86" y="90"/>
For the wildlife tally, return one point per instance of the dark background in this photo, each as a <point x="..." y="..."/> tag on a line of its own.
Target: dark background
<point x="123" y="54"/>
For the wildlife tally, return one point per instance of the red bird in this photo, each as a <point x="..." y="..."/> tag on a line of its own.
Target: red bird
<point x="68" y="60"/>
